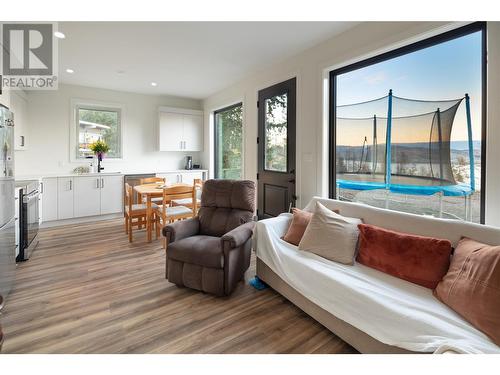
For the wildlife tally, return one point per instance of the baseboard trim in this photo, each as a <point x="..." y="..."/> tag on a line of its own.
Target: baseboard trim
<point x="78" y="220"/>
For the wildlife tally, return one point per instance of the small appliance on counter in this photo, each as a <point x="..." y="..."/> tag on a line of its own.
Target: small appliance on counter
<point x="189" y="162"/>
<point x="29" y="217"/>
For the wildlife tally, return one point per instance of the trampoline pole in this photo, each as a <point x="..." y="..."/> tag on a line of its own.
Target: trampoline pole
<point x="471" y="145"/>
<point x="440" y="204"/>
<point x="440" y="135"/>
<point x="466" y="213"/>
<point x="388" y="142"/>
<point x="374" y="147"/>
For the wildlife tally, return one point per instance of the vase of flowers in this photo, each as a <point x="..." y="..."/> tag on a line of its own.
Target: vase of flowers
<point x="99" y="148"/>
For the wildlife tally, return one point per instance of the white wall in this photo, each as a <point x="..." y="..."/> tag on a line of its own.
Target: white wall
<point x="49" y="122"/>
<point x="311" y="67"/>
<point x="493" y="126"/>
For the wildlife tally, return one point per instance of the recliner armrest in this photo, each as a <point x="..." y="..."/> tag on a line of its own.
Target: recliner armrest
<point x="238" y="236"/>
<point x="181" y="229"/>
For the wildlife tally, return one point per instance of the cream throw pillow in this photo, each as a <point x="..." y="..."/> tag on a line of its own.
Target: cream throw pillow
<point x="331" y="236"/>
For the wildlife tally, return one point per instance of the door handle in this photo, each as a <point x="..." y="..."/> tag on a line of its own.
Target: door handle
<point x="292" y="181"/>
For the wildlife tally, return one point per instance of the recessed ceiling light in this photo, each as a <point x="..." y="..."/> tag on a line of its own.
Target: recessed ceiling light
<point x="71" y="71"/>
<point x="59" y="35"/>
<point x="154" y="84"/>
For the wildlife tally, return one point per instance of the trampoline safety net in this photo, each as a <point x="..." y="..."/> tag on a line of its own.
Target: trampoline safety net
<point x="398" y="144"/>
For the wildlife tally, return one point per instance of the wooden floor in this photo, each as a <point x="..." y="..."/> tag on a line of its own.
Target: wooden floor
<point x="87" y="290"/>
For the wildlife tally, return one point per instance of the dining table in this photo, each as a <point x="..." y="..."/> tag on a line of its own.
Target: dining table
<point x="150" y="191"/>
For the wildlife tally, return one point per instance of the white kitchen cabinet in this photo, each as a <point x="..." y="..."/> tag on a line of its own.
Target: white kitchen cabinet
<point x="170" y="178"/>
<point x="171" y="131"/>
<point x="193" y="132"/>
<point x="111" y="194"/>
<point x="180" y="129"/>
<point x="49" y="200"/>
<point x="87" y="196"/>
<point x="19" y="106"/>
<point x="65" y="198"/>
<point x="189" y="177"/>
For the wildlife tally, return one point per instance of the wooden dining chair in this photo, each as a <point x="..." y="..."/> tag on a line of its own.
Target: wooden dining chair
<point x="167" y="213"/>
<point x="135" y="214"/>
<point x="187" y="202"/>
<point x="153" y="180"/>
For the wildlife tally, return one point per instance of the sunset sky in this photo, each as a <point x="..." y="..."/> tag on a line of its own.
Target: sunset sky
<point x="445" y="71"/>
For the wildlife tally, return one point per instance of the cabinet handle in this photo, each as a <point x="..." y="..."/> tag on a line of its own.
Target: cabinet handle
<point x="181" y="145"/>
<point x="22" y="141"/>
<point x="102" y="183"/>
<point x="97" y="183"/>
<point x="70" y="185"/>
<point x="41" y="187"/>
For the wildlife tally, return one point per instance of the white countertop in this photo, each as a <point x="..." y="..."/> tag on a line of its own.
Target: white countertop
<point x="53" y="175"/>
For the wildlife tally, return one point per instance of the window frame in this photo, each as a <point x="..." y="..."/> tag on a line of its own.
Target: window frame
<point x="216" y="143"/>
<point x="76" y="105"/>
<point x="413" y="47"/>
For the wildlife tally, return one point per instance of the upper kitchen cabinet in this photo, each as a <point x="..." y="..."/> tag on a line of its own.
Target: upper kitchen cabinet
<point x="180" y="129"/>
<point x="19" y="106"/>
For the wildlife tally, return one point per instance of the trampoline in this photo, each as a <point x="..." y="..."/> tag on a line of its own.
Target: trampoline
<point x="400" y="145"/>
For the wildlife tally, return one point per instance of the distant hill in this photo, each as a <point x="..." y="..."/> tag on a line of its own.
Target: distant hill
<point x="464" y="145"/>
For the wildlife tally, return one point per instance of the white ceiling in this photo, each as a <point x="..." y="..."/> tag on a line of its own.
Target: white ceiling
<point x="191" y="59"/>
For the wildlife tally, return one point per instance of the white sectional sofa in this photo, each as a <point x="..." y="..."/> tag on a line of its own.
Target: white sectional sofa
<point x="372" y="311"/>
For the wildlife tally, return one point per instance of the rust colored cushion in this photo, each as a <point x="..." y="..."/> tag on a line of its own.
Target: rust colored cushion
<point x="296" y="230"/>
<point x="472" y="286"/>
<point x="420" y="260"/>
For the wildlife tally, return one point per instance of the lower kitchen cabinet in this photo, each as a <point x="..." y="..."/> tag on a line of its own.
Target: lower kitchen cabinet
<point x="111" y="194"/>
<point x="87" y="198"/>
<point x="81" y="196"/>
<point x="182" y="177"/>
<point x="65" y="198"/>
<point x="49" y="200"/>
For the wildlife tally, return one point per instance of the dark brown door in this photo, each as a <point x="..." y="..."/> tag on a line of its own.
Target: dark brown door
<point x="276" y="149"/>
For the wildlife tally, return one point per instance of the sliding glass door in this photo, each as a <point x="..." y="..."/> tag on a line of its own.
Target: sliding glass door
<point x="228" y="124"/>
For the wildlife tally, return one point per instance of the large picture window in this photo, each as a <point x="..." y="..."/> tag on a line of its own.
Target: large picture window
<point x="94" y="123"/>
<point x="228" y="123"/>
<point x="407" y="127"/>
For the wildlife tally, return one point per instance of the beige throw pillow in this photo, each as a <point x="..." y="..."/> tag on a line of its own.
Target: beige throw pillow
<point x="331" y="236"/>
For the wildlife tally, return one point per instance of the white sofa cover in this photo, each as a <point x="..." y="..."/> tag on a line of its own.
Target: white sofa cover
<point x="391" y="310"/>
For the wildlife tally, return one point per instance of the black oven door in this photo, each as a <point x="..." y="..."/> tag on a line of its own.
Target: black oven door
<point x="31" y="216"/>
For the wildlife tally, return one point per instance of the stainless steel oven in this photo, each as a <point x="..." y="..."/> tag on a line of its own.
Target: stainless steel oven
<point x="29" y="218"/>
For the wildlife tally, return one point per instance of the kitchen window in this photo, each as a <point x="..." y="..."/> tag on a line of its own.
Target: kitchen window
<point x="97" y="122"/>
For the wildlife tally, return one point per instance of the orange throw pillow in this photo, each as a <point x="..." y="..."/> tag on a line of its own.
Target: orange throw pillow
<point x="472" y="286"/>
<point x="296" y="230"/>
<point x="420" y="260"/>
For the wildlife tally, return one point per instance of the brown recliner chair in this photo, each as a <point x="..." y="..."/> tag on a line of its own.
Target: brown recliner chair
<point x="211" y="252"/>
